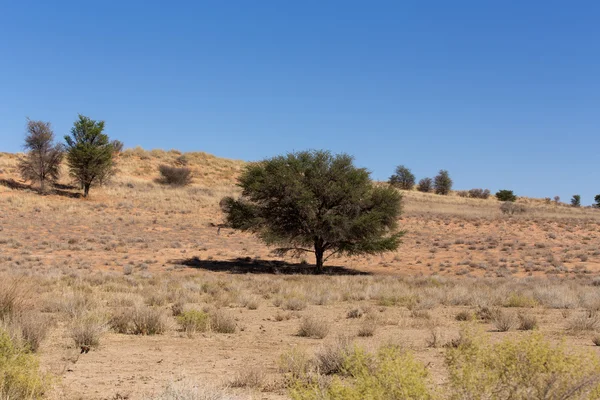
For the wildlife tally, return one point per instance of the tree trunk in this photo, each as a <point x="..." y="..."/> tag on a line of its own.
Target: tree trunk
<point x="42" y="188"/>
<point x="86" y="189"/>
<point x="319" y="252"/>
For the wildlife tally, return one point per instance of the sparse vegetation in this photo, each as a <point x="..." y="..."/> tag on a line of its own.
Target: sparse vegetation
<point x="425" y="185"/>
<point x="479" y="193"/>
<point x="175" y="176"/>
<point x="576" y="200"/>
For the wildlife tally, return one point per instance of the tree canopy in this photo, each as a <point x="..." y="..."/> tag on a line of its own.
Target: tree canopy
<point x="90" y="153"/>
<point x="43" y="158"/>
<point x="313" y="201"/>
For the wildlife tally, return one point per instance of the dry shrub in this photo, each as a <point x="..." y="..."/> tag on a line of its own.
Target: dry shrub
<point x="355" y="313"/>
<point x="596" y="340"/>
<point x="252" y="377"/>
<point x="87" y="330"/>
<point x="193" y="391"/>
<point x="222" y="322"/>
<point x="367" y="329"/>
<point x="465" y="315"/>
<point x="587" y="321"/>
<point x="511" y="208"/>
<point x="175" y="176"/>
<point x="147" y="321"/>
<point x="313" y="327"/>
<point x="294" y="304"/>
<point x="296" y="363"/>
<point x="435" y="337"/>
<point x="121" y="321"/>
<point x="32" y="328"/>
<point x="504" y="321"/>
<point x="14" y="296"/>
<point x="329" y="359"/>
<point x="527" y="322"/>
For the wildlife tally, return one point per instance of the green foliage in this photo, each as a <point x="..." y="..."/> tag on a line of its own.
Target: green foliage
<point x="576" y="200"/>
<point x="43" y="158"/>
<point x="597" y="200"/>
<point x="403" y="178"/>
<point x="527" y="368"/>
<point x="20" y="377"/>
<point x="442" y="183"/>
<point x="506" y="195"/>
<point x="313" y="201"/>
<point x="425" y="185"/>
<point x="392" y="373"/>
<point x="90" y="153"/>
<point x="192" y="321"/>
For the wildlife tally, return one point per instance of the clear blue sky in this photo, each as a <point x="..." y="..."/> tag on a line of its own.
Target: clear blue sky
<point x="503" y="94"/>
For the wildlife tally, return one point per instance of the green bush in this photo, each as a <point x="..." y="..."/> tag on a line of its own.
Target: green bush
<point x="527" y="368"/>
<point x="20" y="377"/>
<point x="392" y="373"/>
<point x="403" y="178"/>
<point x="576" y="200"/>
<point x="442" y="183"/>
<point x="425" y="185"/>
<point x="506" y="195"/>
<point x="597" y="200"/>
<point x="193" y="321"/>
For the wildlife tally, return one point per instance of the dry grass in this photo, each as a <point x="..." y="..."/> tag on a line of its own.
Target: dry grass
<point x="313" y="327"/>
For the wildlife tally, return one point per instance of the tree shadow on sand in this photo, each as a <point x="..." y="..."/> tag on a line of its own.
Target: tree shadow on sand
<point x="57" y="189"/>
<point x="257" y="266"/>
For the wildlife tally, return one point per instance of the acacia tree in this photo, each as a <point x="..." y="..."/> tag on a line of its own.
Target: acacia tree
<point x="90" y="153"/>
<point x="403" y="178"/>
<point x="442" y="182"/>
<point x="597" y="200"/>
<point x="316" y="202"/>
<point x="43" y="158"/>
<point x="576" y="200"/>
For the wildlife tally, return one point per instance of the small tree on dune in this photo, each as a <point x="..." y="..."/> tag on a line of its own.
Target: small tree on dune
<point x="403" y="178"/>
<point x="90" y="153"/>
<point x="576" y="200"/>
<point x="43" y="158"/>
<point x="597" y="200"/>
<point x="425" y="185"/>
<point x="313" y="201"/>
<point x="442" y="183"/>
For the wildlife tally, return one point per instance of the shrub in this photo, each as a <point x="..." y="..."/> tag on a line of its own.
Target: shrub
<point x="296" y="363"/>
<point x="222" y="322"/>
<point x="313" y="327"/>
<point x="367" y="329"/>
<point x="503" y="321"/>
<point x="330" y="359"/>
<point x="597" y="200"/>
<point x="465" y="315"/>
<point x="442" y="183"/>
<point x="556" y="199"/>
<point x="193" y="321"/>
<point x="462" y="193"/>
<point x="425" y="185"/>
<point x="520" y="300"/>
<point x="32" y="329"/>
<point x="87" y="330"/>
<point x="20" y="377"/>
<point x="403" y="178"/>
<point x="13" y="297"/>
<point x="176" y="176"/>
<point x="479" y="193"/>
<point x="506" y="195"/>
<point x="510" y="208"/>
<point x="147" y="321"/>
<point x="392" y="373"/>
<point x="576" y="200"/>
<point x="251" y="377"/>
<point x="527" y="322"/>
<point x="480" y="370"/>
<point x="294" y="304"/>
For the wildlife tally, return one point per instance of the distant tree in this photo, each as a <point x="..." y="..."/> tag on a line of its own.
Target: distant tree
<point x="506" y="195"/>
<point x="313" y="201"/>
<point x="403" y="178"/>
<point x="556" y="199"/>
<point x="442" y="183"/>
<point x="479" y="193"/>
<point x="425" y="185"/>
<point x="117" y="146"/>
<point x="43" y="157"/>
<point x="597" y="200"/>
<point x="576" y="200"/>
<point x="90" y="153"/>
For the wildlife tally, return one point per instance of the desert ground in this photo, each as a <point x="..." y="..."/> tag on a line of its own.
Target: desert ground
<point x="124" y="265"/>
